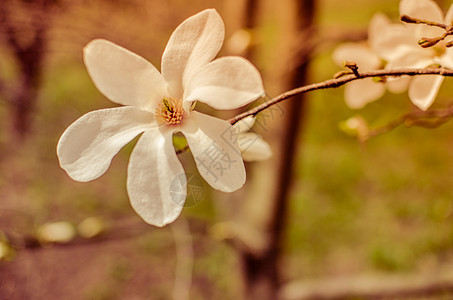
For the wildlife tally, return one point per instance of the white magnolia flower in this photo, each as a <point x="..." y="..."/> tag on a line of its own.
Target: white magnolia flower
<point x="361" y="92"/>
<point x="251" y="145"/>
<point x="158" y="105"/>
<point x="401" y="49"/>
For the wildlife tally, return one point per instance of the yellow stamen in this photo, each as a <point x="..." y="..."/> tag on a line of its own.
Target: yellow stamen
<point x="169" y="112"/>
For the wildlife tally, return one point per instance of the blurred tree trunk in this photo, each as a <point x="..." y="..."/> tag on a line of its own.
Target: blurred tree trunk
<point x="262" y="269"/>
<point x="25" y="96"/>
<point x="28" y="44"/>
<point x="250" y="22"/>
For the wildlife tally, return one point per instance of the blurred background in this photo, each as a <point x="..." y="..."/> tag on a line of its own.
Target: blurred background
<point x="326" y="216"/>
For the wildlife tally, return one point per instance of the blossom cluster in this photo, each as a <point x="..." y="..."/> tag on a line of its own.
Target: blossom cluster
<point x="392" y="46"/>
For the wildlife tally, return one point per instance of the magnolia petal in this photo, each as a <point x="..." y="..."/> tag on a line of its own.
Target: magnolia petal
<point x="214" y="145"/>
<point x="449" y="15"/>
<point x="358" y="53"/>
<point x="156" y="182"/>
<point x="423" y="90"/>
<point x="394" y="41"/>
<point x="245" y="124"/>
<point x="88" y="145"/>
<point x="123" y="76"/>
<point x="425" y="10"/>
<point x="359" y="93"/>
<point x="422" y="9"/>
<point x="446" y="60"/>
<point x="377" y="26"/>
<point x="253" y="147"/>
<point x="398" y="84"/>
<point x="225" y="83"/>
<point x="411" y="58"/>
<point x="194" y="43"/>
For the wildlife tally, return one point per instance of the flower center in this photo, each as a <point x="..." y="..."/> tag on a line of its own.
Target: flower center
<point x="169" y="112"/>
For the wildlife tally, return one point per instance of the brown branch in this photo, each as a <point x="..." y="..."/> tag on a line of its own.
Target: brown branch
<point x="353" y="67"/>
<point x="344" y="78"/>
<point x="429" y="42"/>
<point x="412" y="20"/>
<point x="334" y="83"/>
<point x="427" y="119"/>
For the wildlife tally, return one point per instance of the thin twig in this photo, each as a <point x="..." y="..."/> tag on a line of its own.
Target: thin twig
<point x="427" y="119"/>
<point x="334" y="83"/>
<point x="353" y="67"/>
<point x="412" y="20"/>
<point x="338" y="81"/>
<point x="429" y="42"/>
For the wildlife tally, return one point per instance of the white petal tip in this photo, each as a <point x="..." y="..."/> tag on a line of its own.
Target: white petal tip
<point x="158" y="222"/>
<point x="421" y="106"/>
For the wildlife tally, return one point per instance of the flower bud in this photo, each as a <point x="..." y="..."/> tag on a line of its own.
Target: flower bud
<point x="427" y="42"/>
